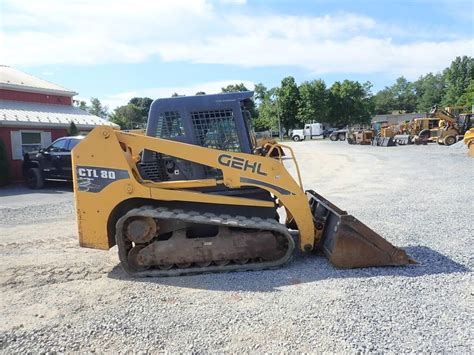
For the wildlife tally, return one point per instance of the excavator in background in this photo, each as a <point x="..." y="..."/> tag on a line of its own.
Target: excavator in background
<point x="197" y="193"/>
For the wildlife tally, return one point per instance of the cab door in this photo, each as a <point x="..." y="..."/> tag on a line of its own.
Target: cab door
<point x="56" y="156"/>
<point x="66" y="162"/>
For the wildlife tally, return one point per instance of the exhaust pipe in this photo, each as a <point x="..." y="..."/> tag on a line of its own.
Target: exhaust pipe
<point x="347" y="242"/>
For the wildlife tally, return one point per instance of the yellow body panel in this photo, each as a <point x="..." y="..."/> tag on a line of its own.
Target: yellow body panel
<point x="469" y="141"/>
<point x="387" y="132"/>
<point x="105" y="148"/>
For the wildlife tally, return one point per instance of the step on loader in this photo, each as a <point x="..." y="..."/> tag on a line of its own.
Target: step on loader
<point x="196" y="193"/>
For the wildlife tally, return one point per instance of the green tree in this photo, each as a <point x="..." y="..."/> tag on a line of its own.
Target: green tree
<point x="235" y="88"/>
<point x="128" y="117"/>
<point x="143" y="104"/>
<point x="429" y="91"/>
<point x="96" y="108"/>
<point x="457" y="77"/>
<point x="249" y="104"/>
<point x="287" y="101"/>
<point x="200" y="93"/>
<point x="401" y="96"/>
<point x="404" y="95"/>
<point x="4" y="165"/>
<point x="384" y="101"/>
<point x="466" y="100"/>
<point x="72" y="129"/>
<point x="267" y="109"/>
<point x="261" y="92"/>
<point x="351" y="103"/>
<point x="82" y="105"/>
<point x="313" y="102"/>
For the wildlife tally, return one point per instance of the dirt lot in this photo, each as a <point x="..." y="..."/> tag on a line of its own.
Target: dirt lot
<point x="56" y="296"/>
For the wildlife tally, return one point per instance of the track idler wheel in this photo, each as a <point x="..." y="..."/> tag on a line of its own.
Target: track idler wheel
<point x="241" y="261"/>
<point x="134" y="260"/>
<point x="222" y="262"/>
<point x="141" y="229"/>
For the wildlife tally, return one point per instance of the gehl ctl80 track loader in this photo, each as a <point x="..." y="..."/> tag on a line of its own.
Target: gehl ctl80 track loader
<point x="197" y="193"/>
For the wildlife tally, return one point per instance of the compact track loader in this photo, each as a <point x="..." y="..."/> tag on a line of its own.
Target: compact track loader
<point x="196" y="193"/>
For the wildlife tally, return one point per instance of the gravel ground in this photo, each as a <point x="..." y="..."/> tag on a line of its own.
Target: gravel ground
<point x="56" y="296"/>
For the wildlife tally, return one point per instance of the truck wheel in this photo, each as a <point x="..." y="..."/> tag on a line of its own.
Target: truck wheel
<point x="333" y="137"/>
<point x="341" y="136"/>
<point x="34" y="178"/>
<point x="296" y="138"/>
<point x="450" y="140"/>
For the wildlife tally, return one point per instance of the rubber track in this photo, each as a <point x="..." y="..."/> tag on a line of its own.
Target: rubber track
<point x="206" y="218"/>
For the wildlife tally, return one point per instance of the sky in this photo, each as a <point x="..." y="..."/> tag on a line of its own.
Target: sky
<point x="118" y="49"/>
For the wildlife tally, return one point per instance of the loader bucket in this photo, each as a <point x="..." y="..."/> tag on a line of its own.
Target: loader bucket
<point x="349" y="243"/>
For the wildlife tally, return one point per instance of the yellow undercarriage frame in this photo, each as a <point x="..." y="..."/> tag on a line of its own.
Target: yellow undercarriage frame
<point x="105" y="176"/>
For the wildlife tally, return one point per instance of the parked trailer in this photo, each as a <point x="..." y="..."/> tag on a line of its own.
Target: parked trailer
<point x="339" y="135"/>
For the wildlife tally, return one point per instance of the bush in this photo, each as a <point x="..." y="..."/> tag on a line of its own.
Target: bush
<point x="4" y="165"/>
<point x="72" y="130"/>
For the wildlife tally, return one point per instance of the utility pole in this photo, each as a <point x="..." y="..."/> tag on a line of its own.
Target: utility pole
<point x="280" y="134"/>
<point x="279" y="125"/>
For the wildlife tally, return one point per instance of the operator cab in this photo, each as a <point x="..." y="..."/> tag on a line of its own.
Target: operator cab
<point x="220" y="121"/>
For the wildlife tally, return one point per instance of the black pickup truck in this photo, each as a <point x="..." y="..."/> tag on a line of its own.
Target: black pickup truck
<point x="51" y="163"/>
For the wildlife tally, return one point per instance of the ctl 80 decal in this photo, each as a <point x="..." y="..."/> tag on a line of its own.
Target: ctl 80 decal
<point x="94" y="179"/>
<point x="241" y="164"/>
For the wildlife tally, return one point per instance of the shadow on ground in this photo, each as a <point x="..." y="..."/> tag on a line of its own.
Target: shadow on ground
<point x="50" y="187"/>
<point x="305" y="269"/>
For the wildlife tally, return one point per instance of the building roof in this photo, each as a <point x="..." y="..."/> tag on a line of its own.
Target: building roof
<point x="32" y="114"/>
<point x="14" y="79"/>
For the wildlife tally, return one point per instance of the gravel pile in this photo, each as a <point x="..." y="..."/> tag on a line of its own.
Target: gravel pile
<point x="417" y="197"/>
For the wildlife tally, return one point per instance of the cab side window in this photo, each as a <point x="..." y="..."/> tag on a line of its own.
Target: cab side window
<point x="59" y="146"/>
<point x="72" y="143"/>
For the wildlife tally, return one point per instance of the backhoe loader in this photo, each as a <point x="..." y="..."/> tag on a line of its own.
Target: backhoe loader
<point x="442" y="126"/>
<point x="197" y="193"/>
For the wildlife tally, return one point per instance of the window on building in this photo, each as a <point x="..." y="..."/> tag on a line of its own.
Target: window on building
<point x="30" y="141"/>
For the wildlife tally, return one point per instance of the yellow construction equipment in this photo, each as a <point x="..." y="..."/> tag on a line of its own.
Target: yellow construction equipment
<point x="384" y="133"/>
<point x="469" y="141"/>
<point x="362" y="136"/>
<point x="445" y="126"/>
<point x="448" y="125"/>
<point x="425" y="130"/>
<point x="196" y="193"/>
<point x="389" y="131"/>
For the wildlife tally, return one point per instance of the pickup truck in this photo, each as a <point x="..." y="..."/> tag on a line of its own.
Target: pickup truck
<point x="51" y="163"/>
